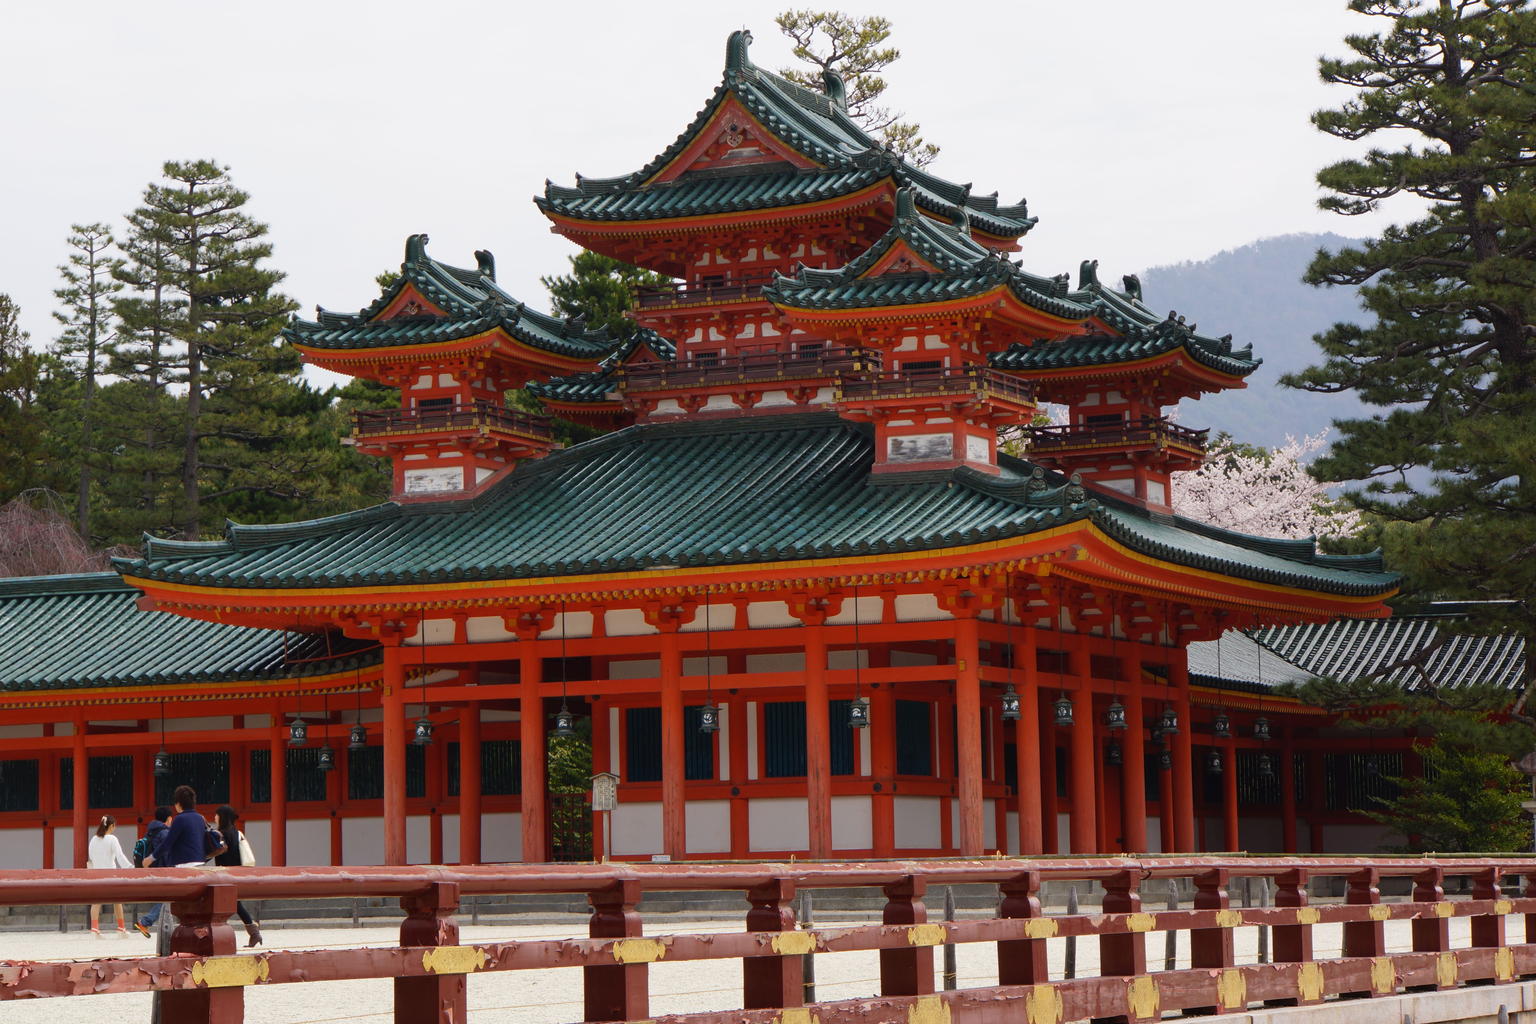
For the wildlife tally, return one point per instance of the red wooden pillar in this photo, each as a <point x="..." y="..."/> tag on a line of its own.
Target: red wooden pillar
<point x="618" y="991"/>
<point x="1021" y="961"/>
<point x="1122" y="954"/>
<point x="736" y="662"/>
<point x="278" y="757"/>
<point x="469" y="783"/>
<point x="1050" y="811"/>
<point x="818" y="743"/>
<point x="48" y="799"/>
<point x="968" y="733"/>
<point x="1431" y="932"/>
<point x="429" y="922"/>
<point x="1212" y="948"/>
<point x="1488" y="929"/>
<point x="1229" y="796"/>
<point x="80" y="766"/>
<point x="1181" y="785"/>
<point x="772" y="982"/>
<point x="531" y="741"/>
<point x="203" y="929"/>
<point x="1286" y="772"/>
<point x="674" y="813"/>
<point x="1133" y="789"/>
<point x="392" y="700"/>
<point x="882" y="756"/>
<point x="1364" y="938"/>
<point x="1027" y="751"/>
<point x="906" y="971"/>
<point x="1292" y="942"/>
<point x="1083" y="833"/>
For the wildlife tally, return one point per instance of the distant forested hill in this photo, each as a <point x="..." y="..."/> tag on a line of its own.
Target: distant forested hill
<point x="1255" y="294"/>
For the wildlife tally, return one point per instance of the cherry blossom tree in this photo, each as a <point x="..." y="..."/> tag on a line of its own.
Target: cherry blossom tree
<point x="1263" y="491"/>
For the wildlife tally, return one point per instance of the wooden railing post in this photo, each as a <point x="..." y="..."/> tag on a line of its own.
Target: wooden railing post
<point x="1023" y="961"/>
<point x="1431" y="929"/>
<point x="1124" y="954"/>
<point x="617" y="991"/>
<point x="909" y="971"/>
<point x="1293" y="942"/>
<point x="429" y="921"/>
<point x="1212" y="948"/>
<point x="1488" y="929"/>
<point x="1366" y="938"/>
<point x="769" y="982"/>
<point x="203" y="929"/>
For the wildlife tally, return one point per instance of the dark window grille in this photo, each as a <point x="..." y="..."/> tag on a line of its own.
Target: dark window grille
<point x="19" y="785"/>
<point x="1152" y="772"/>
<point x="1062" y="768"/>
<point x="110" y="786"/>
<point x="1254" y="789"/>
<point x="365" y="773"/>
<point x="1360" y="782"/>
<point x="501" y="769"/>
<point x="642" y="735"/>
<point x="784" y="739"/>
<point x="1011" y="768"/>
<point x="842" y="737"/>
<point x="207" y="774"/>
<point x="914" y="737"/>
<point x="698" y="747"/>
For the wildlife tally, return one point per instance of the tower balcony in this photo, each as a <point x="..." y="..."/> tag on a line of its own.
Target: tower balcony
<point x="1147" y="434"/>
<point x="754" y="369"/>
<point x="977" y="383"/>
<point x="707" y="292"/>
<point x="387" y="428"/>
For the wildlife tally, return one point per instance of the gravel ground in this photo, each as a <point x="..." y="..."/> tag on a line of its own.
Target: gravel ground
<point x="547" y="996"/>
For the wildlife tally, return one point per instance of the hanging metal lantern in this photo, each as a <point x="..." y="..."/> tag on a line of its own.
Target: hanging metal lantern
<point x="1113" y="755"/>
<point x="565" y="722"/>
<point x="1168" y="725"/>
<point x="1261" y="729"/>
<point x="298" y="732"/>
<point x="1011" y="712"/>
<point x="1063" y="711"/>
<point x="1114" y="717"/>
<point x="163" y="763"/>
<point x="1221" y="726"/>
<point x="1165" y="759"/>
<point x="709" y="719"/>
<point x="858" y="713"/>
<point x="1213" y="761"/>
<point x="358" y="739"/>
<point x="327" y="760"/>
<point x="423" y="734"/>
<point x="1266" y="767"/>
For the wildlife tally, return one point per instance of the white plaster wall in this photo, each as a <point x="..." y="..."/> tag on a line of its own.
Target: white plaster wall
<point x="1154" y="836"/>
<point x="899" y="658"/>
<point x="64" y="849"/>
<point x="1063" y="832"/>
<point x="627" y="622"/>
<point x="847" y="659"/>
<point x="852" y="823"/>
<point x="919" y="608"/>
<point x="917" y="822"/>
<point x="751" y="732"/>
<point x="259" y="835"/>
<point x="708" y="824"/>
<point x="788" y="661"/>
<point x="649" y="669"/>
<point x="450" y="839"/>
<point x="418" y="838"/>
<point x="191" y="724"/>
<point x="637" y="829"/>
<point x="724" y="759"/>
<point x="870" y="609"/>
<point x="1012" y="825"/>
<point x="309" y="841"/>
<point x="695" y="666"/>
<point x="777" y="823"/>
<point x="21" y="731"/>
<point x="487" y="628"/>
<point x="719" y="616"/>
<point x="769" y="614"/>
<point x="576" y="624"/>
<point x="613" y="742"/>
<point x="989" y="824"/>
<point x="22" y="848"/>
<point x="501" y="838"/>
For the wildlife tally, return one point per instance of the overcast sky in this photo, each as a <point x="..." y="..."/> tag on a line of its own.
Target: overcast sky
<point x="1141" y="133"/>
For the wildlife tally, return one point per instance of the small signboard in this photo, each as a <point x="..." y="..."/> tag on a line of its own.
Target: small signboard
<point x="605" y="791"/>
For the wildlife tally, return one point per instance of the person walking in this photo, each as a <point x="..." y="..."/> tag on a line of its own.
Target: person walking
<point x="144" y="853"/>
<point x="189" y="841"/>
<point x="106" y="853"/>
<point x="234" y="856"/>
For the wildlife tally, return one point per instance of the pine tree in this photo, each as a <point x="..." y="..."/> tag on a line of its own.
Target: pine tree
<point x="90" y="283"/>
<point x="600" y="288"/>
<point x="851" y="46"/>
<point x="21" y="421"/>
<point x="1451" y="355"/>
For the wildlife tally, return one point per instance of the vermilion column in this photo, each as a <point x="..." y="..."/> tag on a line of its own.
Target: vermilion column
<point x="1027" y="738"/>
<point x="469" y="783"/>
<point x="1285" y="771"/>
<point x="818" y="744"/>
<point x="1133" y="791"/>
<point x="882" y="758"/>
<point x="1051" y="803"/>
<point x="968" y="735"/>
<point x="531" y="740"/>
<point x="1083" y="834"/>
<point x="81" y="767"/>
<point x="1182" y="780"/>
<point x="1229" y="795"/>
<point x="278" y="758"/>
<point x="392" y="702"/>
<point x="674" y="814"/>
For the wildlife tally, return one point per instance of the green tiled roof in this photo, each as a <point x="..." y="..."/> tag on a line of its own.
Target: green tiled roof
<point x="815" y="124"/>
<point x="697" y="493"/>
<point x="596" y="385"/>
<point x="965" y="268"/>
<point x="471" y="299"/>
<point x="58" y="632"/>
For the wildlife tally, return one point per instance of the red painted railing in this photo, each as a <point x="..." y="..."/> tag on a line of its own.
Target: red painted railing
<point x="750" y="367"/>
<point x="952" y="380"/>
<point x="1144" y="431"/>
<point x="203" y="981"/>
<point x="748" y="286"/>
<point x="468" y="416"/>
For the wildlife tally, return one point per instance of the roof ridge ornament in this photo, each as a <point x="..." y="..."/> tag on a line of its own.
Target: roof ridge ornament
<point x="906" y="203"/>
<point x="1088" y="274"/>
<point x="736" y="51"/>
<point x="486" y="264"/>
<point x="416" y="247"/>
<point x="1132" y="286"/>
<point x="836" y="89"/>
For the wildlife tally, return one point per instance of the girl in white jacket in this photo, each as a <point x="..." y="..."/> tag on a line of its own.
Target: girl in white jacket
<point x="107" y="853"/>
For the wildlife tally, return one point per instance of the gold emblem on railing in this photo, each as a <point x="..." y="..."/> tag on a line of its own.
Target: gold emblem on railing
<point x="797" y="1015"/>
<point x="1445" y="908"/>
<point x="1380" y="912"/>
<point x="1503" y="907"/>
<point x="1445" y="970"/>
<point x="1139" y="922"/>
<point x="1142" y="997"/>
<point x="1309" y="981"/>
<point x="230" y="971"/>
<point x="1229" y="918"/>
<point x="1232" y="988"/>
<point x="1504" y="963"/>
<point x="1383" y="976"/>
<point x="639" y="951"/>
<point x="928" y="1010"/>
<point x="1308" y="915"/>
<point x="794" y="943"/>
<point x="1043" y="1005"/>
<point x="1040" y="928"/>
<point x="927" y="935"/>
<point x="454" y="959"/>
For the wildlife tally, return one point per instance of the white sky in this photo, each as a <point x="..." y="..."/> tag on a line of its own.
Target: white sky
<point x="1141" y="133"/>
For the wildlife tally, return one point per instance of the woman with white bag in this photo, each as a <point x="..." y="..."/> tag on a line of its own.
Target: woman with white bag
<point x="237" y="853"/>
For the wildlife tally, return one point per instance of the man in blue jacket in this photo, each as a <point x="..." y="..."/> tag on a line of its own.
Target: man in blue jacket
<point x="189" y="842"/>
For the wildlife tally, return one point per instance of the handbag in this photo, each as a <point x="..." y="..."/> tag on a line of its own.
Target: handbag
<point x="247" y="855"/>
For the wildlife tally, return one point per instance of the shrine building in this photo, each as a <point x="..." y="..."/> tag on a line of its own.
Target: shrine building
<point x="808" y="602"/>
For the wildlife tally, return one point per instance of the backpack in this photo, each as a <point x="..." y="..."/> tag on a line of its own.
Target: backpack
<point x="213" y="843"/>
<point x="141" y="849"/>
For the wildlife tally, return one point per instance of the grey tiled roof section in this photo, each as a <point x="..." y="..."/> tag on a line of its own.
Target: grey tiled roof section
<point x="1412" y="651"/>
